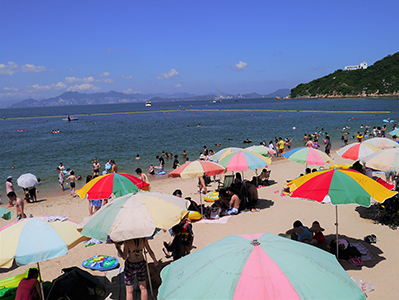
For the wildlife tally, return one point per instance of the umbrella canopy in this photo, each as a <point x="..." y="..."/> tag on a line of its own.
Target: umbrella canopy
<point x="5" y="213"/>
<point x="197" y="169"/>
<point x="119" y="184"/>
<point x="307" y="155"/>
<point x="357" y="151"/>
<point x="34" y="240"/>
<point x="382" y="143"/>
<point x="257" y="266"/>
<point x="339" y="186"/>
<point x="26" y="180"/>
<point x="261" y="150"/>
<point x="134" y="216"/>
<point x="383" y="160"/>
<point x="394" y="132"/>
<point x="223" y="153"/>
<point x="242" y="160"/>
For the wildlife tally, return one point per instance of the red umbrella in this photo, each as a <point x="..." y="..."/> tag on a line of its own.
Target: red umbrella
<point x="197" y="169"/>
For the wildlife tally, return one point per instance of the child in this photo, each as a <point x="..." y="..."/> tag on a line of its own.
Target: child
<point x="175" y="245"/>
<point x="72" y="178"/>
<point x="151" y="170"/>
<point x="187" y="236"/>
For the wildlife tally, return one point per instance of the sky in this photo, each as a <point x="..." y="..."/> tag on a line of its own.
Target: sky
<point x="197" y="47"/>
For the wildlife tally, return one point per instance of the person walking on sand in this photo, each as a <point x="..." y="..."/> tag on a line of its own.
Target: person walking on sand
<point x="135" y="265"/>
<point x="72" y="179"/>
<point x="61" y="178"/>
<point x="9" y="189"/>
<point x="327" y="146"/>
<point x="19" y="204"/>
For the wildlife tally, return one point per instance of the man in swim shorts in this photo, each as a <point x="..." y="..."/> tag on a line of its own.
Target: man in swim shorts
<point x="72" y="178"/>
<point x="61" y="178"/>
<point x="19" y="204"/>
<point x="281" y="145"/>
<point x="96" y="167"/>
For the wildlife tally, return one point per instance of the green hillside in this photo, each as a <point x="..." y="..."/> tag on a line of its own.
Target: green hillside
<point x="379" y="79"/>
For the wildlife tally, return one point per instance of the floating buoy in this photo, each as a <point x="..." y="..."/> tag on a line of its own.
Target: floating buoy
<point x="252" y="115"/>
<point x="353" y="118"/>
<point x="229" y="115"/>
<point x="279" y="116"/>
<point x="193" y="114"/>
<point x="209" y="114"/>
<point x="312" y="116"/>
<point x="294" y="127"/>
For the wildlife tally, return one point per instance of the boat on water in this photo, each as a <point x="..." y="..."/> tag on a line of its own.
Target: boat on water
<point x="216" y="100"/>
<point x="148" y="103"/>
<point x="70" y="118"/>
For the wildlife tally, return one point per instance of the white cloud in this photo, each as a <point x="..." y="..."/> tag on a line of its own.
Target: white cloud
<point x="130" y="91"/>
<point x="241" y="65"/>
<point x="73" y="69"/>
<point x="75" y="79"/>
<point x="171" y="74"/>
<point x="107" y="80"/>
<point x="53" y="86"/>
<point x="11" y="68"/>
<point x="104" y="74"/>
<point x="83" y="87"/>
<point x="11" y="89"/>
<point x="126" y="77"/>
<point x="178" y="85"/>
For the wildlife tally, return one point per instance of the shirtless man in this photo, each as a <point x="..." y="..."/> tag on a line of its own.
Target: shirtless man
<point x="234" y="202"/>
<point x="19" y="205"/>
<point x="135" y="265"/>
<point x="114" y="168"/>
<point x="72" y="179"/>
<point x="96" y="167"/>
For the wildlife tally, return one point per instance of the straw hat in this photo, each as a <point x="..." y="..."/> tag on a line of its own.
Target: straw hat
<point x="316" y="227"/>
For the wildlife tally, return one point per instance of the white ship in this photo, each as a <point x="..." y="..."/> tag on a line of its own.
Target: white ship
<point x="148" y="103"/>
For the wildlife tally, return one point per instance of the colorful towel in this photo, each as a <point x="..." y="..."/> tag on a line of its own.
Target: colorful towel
<point x="366" y="254"/>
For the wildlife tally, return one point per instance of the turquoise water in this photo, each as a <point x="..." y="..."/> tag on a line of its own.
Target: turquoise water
<point x="121" y="131"/>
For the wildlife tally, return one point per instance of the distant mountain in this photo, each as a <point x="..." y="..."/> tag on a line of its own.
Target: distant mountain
<point x="76" y="98"/>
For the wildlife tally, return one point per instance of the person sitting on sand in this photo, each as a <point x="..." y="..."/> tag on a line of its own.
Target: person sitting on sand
<point x="234" y="204"/>
<point x="318" y="236"/>
<point x="175" y="246"/>
<point x="29" y="288"/>
<point x="224" y="200"/>
<point x="252" y="193"/>
<point x="135" y="265"/>
<point x="300" y="232"/>
<point x="142" y="175"/>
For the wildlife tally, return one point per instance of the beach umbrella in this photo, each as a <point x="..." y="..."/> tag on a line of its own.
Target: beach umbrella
<point x="33" y="240"/>
<point x="381" y="142"/>
<point x="197" y="168"/>
<point x="383" y="160"/>
<point x="307" y="155"/>
<point x="261" y="150"/>
<point x="223" y="153"/>
<point x="5" y="213"/>
<point x="257" y="266"/>
<point x="243" y="160"/>
<point x="26" y="180"/>
<point x="339" y="186"/>
<point x="134" y="216"/>
<point x="118" y="184"/>
<point x="357" y="151"/>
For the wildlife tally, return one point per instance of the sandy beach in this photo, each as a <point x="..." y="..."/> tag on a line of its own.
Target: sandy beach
<point x="276" y="215"/>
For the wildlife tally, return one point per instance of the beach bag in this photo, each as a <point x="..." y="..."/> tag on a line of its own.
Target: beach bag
<point x="215" y="211"/>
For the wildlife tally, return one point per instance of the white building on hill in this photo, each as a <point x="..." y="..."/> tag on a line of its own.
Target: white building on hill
<point x="363" y="65"/>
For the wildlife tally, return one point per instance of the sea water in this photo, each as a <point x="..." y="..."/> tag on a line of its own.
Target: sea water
<point x="121" y="131"/>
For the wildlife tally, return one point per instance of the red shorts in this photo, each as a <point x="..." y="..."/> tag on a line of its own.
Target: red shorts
<point x="281" y="150"/>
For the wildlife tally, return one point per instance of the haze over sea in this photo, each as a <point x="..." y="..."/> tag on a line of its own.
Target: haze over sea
<point x="121" y="131"/>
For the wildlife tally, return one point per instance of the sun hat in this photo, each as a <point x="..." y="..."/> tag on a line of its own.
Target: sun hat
<point x="9" y="177"/>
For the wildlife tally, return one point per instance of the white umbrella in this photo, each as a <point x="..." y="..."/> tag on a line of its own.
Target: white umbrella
<point x="26" y="180"/>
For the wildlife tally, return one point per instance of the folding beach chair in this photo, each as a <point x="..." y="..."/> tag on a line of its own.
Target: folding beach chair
<point x="263" y="178"/>
<point x="228" y="180"/>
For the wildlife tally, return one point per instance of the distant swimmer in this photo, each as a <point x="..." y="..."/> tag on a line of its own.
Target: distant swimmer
<point x="247" y="141"/>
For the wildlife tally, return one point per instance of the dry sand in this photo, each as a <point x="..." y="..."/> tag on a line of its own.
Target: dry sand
<point x="276" y="215"/>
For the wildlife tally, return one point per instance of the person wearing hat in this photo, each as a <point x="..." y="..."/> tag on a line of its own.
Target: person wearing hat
<point x="318" y="236"/>
<point x="9" y="189"/>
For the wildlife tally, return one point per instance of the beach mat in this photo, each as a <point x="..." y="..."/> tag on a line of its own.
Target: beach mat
<point x="366" y="254"/>
<point x="222" y="220"/>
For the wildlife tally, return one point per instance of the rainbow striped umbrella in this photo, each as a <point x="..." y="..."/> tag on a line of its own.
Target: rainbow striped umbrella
<point x="218" y="156"/>
<point x="257" y="266"/>
<point x="243" y="160"/>
<point x="197" y="168"/>
<point x="118" y="184"/>
<point x="307" y="155"/>
<point x="357" y="151"/>
<point x="261" y="150"/>
<point x="381" y="142"/>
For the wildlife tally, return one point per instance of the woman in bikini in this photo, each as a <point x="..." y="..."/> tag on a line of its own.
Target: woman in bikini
<point x="135" y="265"/>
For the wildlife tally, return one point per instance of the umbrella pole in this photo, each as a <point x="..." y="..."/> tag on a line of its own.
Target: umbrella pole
<point x="41" y="280"/>
<point x="336" y="228"/>
<point x="149" y="275"/>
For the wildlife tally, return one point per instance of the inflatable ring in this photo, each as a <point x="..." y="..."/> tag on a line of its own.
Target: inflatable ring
<point x="101" y="263"/>
<point x="194" y="215"/>
<point x="211" y="197"/>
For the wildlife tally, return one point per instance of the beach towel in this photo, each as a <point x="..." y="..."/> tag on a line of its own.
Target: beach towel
<point x="222" y="220"/>
<point x="366" y="254"/>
